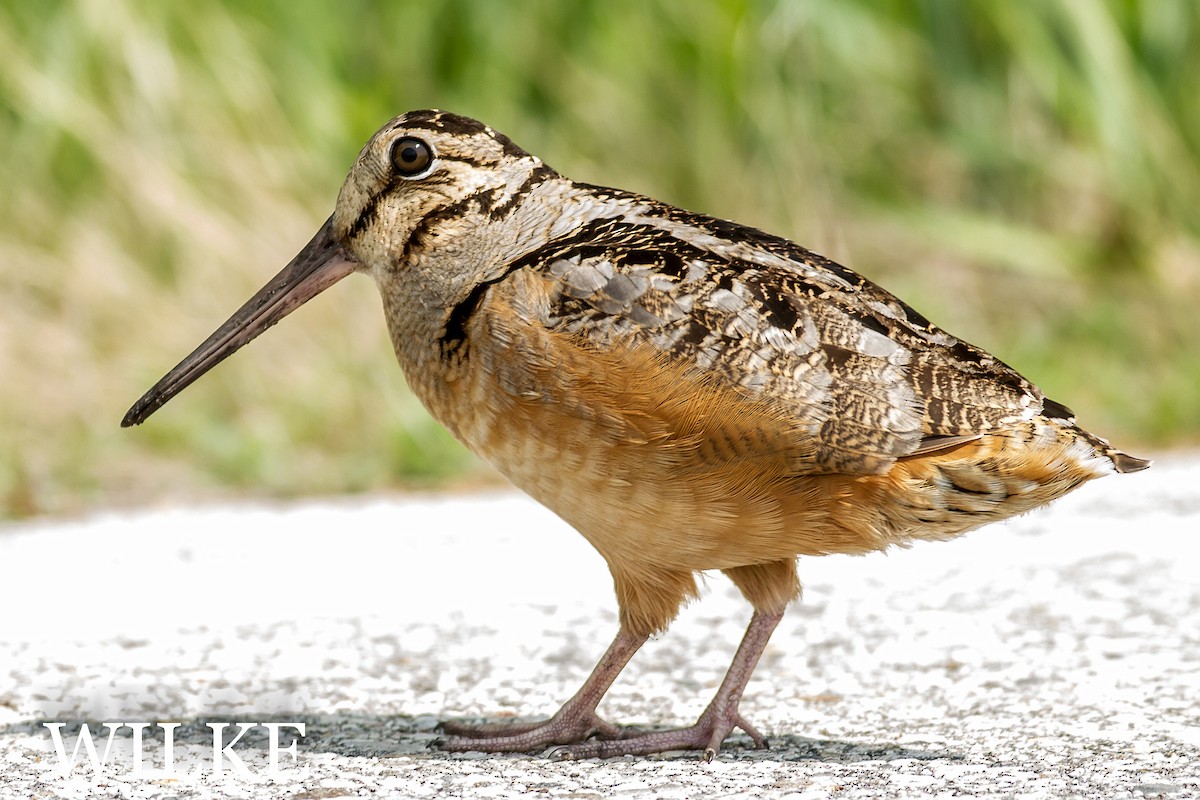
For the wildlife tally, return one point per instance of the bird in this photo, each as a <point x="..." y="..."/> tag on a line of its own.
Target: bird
<point x="689" y="393"/>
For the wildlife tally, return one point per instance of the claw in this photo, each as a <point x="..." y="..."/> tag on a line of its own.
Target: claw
<point x="583" y="734"/>
<point x="760" y="742"/>
<point x="568" y="726"/>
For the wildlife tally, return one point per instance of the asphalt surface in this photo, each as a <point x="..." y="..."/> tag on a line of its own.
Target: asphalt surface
<point x="1057" y="655"/>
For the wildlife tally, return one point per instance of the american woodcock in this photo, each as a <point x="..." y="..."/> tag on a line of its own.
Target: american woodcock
<point x="689" y="393"/>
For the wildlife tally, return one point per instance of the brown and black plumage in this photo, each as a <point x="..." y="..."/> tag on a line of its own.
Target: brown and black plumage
<point x="689" y="393"/>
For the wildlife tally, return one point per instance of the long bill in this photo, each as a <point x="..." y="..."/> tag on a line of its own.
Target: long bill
<point x="321" y="263"/>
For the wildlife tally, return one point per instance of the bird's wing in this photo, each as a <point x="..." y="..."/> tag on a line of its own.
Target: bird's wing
<point x="863" y="376"/>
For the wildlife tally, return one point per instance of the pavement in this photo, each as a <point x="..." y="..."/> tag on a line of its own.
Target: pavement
<point x="1055" y="655"/>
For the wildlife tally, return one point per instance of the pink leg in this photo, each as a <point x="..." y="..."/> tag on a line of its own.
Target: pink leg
<point x="574" y="722"/>
<point x="717" y="721"/>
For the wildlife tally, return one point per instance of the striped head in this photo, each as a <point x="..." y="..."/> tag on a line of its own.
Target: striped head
<point x="434" y="205"/>
<point x="425" y="180"/>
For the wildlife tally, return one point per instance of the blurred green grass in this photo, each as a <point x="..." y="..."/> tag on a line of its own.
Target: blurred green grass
<point x="1024" y="173"/>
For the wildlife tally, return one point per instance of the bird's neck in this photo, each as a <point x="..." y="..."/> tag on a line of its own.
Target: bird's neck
<point x="454" y="257"/>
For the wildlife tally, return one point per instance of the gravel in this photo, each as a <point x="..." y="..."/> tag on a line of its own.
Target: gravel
<point x="1054" y="655"/>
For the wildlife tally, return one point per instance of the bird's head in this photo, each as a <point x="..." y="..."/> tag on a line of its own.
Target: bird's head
<point x="418" y="178"/>
<point x="423" y="174"/>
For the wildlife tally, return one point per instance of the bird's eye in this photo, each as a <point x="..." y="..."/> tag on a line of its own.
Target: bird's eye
<point x="411" y="156"/>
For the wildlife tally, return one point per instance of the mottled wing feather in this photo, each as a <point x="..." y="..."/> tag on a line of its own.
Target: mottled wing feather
<point x="868" y="378"/>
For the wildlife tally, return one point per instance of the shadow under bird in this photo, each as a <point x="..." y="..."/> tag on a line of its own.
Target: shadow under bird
<point x="689" y="393"/>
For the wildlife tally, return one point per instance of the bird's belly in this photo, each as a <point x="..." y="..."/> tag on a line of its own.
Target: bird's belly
<point x="638" y="503"/>
<point x="632" y="512"/>
<point x="617" y="494"/>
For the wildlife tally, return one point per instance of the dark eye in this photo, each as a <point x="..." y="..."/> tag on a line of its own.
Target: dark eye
<point x="411" y="156"/>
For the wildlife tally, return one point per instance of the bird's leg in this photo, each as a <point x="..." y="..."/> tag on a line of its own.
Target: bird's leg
<point x="717" y="721"/>
<point x="574" y="722"/>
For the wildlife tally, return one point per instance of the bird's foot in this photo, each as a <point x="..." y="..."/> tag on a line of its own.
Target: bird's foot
<point x="576" y="721"/>
<point x="707" y="734"/>
<point x="566" y="727"/>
